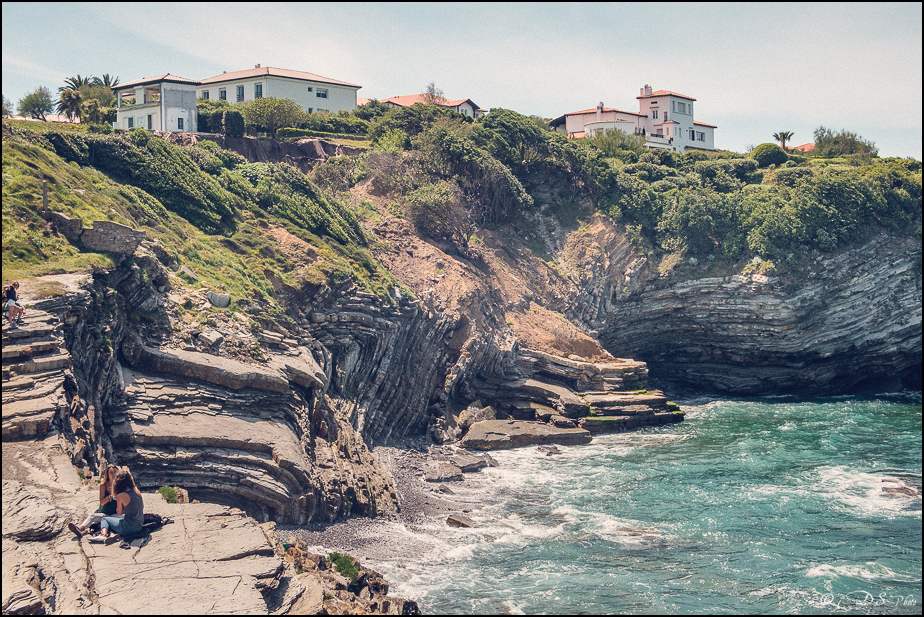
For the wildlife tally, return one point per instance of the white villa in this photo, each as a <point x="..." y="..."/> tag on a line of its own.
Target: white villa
<point x="466" y="107"/>
<point x="664" y="118"/>
<point x="162" y="103"/>
<point x="313" y="92"/>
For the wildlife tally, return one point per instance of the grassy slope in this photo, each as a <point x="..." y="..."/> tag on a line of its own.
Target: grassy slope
<point x="233" y="263"/>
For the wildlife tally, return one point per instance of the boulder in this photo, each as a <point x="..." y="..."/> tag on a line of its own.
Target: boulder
<point x="443" y="471"/>
<point x="219" y="300"/>
<point x="501" y="434"/>
<point x="458" y="520"/>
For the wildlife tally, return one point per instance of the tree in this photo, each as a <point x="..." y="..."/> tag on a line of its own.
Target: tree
<point x="829" y="144"/>
<point x="433" y="95"/>
<point x="75" y="83"/>
<point x="272" y="114"/>
<point x="783" y="137"/>
<point x="36" y="104"/>
<point x="105" y="80"/>
<point x="7" y="107"/>
<point x="93" y="112"/>
<point x="69" y="103"/>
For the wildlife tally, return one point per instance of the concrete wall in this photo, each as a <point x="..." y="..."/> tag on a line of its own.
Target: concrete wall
<point x="176" y="101"/>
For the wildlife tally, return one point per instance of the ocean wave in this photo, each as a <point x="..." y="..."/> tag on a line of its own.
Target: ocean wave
<point x="869" y="571"/>
<point x="862" y="491"/>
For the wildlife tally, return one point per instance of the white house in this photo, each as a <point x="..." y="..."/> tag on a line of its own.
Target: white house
<point x="162" y="103"/>
<point x="665" y="119"/>
<point x="312" y="92"/>
<point x="466" y="107"/>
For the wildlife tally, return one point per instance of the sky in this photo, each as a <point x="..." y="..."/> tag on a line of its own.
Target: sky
<point x="754" y="68"/>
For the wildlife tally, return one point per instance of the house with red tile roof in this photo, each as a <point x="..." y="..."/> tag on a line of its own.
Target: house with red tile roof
<point x="161" y="103"/>
<point x="804" y="147"/>
<point x="466" y="107"/>
<point x="664" y="118"/>
<point x="313" y="92"/>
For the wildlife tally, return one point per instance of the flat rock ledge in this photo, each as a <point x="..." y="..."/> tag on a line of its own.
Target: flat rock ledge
<point x="502" y="434"/>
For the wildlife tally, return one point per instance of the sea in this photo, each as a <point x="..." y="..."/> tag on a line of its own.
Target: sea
<point x="747" y="507"/>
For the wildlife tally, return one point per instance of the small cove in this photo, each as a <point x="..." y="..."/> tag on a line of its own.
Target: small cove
<point x="749" y="506"/>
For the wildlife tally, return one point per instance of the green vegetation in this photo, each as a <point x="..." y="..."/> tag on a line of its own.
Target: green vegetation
<point x="36" y="104"/>
<point x="768" y="154"/>
<point x="168" y="493"/>
<point x="206" y="205"/>
<point x="346" y="566"/>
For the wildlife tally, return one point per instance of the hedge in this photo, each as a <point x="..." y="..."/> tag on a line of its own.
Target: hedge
<point x="291" y="133"/>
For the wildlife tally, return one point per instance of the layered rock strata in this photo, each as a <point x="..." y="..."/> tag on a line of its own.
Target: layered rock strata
<point x="848" y="322"/>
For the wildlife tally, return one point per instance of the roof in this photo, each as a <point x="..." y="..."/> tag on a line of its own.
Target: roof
<point x="561" y="119"/>
<point x="665" y="93"/>
<point x="410" y="99"/>
<point x="805" y="147"/>
<point x="274" y="72"/>
<point x="704" y="124"/>
<point x="605" y="109"/>
<point x="360" y="101"/>
<point x="159" y="78"/>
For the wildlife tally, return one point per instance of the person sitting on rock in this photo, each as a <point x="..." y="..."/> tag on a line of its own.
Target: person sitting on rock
<point x="107" y="502"/>
<point x="129" y="510"/>
<point x="14" y="310"/>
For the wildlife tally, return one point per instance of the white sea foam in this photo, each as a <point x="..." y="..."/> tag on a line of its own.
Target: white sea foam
<point x="862" y="491"/>
<point x="869" y="571"/>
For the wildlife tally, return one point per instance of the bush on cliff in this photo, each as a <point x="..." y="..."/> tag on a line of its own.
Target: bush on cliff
<point x="768" y="154"/>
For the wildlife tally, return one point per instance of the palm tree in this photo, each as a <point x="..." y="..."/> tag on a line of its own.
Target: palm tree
<point x="105" y="80"/>
<point x="69" y="103"/>
<point x="92" y="111"/>
<point x="75" y="83"/>
<point x="783" y="137"/>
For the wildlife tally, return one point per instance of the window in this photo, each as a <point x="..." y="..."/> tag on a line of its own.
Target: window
<point x="240" y="93"/>
<point x="321" y="93"/>
<point x="310" y="110"/>
<point x="654" y="113"/>
<point x="222" y="94"/>
<point x="205" y="94"/>
<point x="258" y="91"/>
<point x="131" y="123"/>
<point x="309" y="88"/>
<point x="179" y="124"/>
<point x="700" y="136"/>
<point x="150" y="122"/>
<point x="692" y="135"/>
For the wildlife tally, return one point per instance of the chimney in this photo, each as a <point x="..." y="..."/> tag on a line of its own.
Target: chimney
<point x="646" y="91"/>
<point x="600" y="111"/>
<point x="256" y="67"/>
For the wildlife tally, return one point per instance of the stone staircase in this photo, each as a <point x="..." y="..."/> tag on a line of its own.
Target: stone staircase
<point x="34" y="371"/>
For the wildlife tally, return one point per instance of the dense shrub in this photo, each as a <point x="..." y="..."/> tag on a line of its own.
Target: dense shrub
<point x="411" y="120"/>
<point x="328" y="123"/>
<point x="167" y="172"/>
<point x="789" y="176"/>
<point x="831" y="144"/>
<point x="290" y="133"/>
<point x="438" y="211"/>
<point x="233" y="123"/>
<point x="768" y="154"/>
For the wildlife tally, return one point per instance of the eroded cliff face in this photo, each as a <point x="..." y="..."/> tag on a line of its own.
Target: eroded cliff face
<point x="848" y="323"/>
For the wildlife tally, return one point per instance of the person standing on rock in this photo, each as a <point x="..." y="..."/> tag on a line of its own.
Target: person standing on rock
<point x="107" y="502"/>
<point x="14" y="310"/>
<point x="129" y="510"/>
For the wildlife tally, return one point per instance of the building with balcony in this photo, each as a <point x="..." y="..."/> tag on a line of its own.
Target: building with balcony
<point x="664" y="118"/>
<point x="162" y="103"/>
<point x="313" y="92"/>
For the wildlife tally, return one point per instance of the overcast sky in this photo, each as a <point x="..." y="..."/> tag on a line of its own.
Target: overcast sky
<point x="754" y="69"/>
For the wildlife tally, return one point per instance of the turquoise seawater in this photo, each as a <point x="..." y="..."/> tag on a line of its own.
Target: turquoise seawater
<point x="767" y="506"/>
